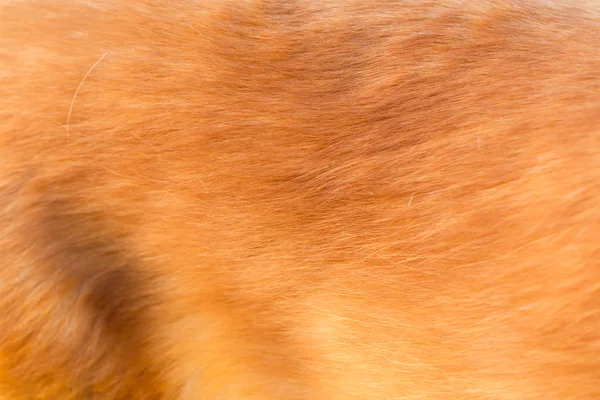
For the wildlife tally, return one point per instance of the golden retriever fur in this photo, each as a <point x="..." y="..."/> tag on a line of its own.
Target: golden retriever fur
<point x="299" y="199"/>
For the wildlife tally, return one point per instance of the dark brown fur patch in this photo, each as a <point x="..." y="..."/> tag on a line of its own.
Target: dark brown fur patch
<point x="76" y="301"/>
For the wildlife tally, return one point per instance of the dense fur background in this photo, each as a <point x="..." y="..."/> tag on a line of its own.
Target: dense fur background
<point x="328" y="200"/>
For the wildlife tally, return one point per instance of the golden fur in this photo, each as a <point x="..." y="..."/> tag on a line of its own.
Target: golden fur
<point x="325" y="200"/>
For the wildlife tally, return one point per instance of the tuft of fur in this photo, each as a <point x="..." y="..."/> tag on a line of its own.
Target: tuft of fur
<point x="325" y="200"/>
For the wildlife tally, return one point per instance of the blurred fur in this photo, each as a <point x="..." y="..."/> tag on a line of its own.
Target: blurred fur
<point x="329" y="200"/>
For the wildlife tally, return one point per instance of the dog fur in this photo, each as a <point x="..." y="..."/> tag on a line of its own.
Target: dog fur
<point x="299" y="199"/>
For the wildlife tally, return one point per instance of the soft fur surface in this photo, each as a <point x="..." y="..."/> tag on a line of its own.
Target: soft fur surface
<point x="324" y="200"/>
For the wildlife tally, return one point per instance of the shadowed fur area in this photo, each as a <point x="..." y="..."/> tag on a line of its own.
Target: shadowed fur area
<point x="73" y="301"/>
<point x="320" y="200"/>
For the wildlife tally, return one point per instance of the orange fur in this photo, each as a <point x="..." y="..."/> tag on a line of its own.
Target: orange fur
<point x="328" y="200"/>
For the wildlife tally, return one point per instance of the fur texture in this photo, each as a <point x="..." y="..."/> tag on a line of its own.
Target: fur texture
<point x="328" y="200"/>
